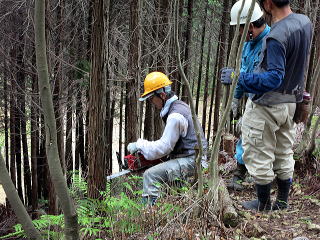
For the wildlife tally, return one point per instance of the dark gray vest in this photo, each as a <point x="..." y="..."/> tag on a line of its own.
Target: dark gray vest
<point x="294" y="32"/>
<point x="185" y="145"/>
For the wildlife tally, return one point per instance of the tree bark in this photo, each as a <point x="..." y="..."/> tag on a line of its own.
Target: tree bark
<point x="201" y="58"/>
<point x="16" y="203"/>
<point x="12" y="113"/>
<point x="214" y="84"/>
<point x="206" y="86"/>
<point x="133" y="86"/>
<point x="187" y="53"/>
<point x="222" y="54"/>
<point x="6" y="118"/>
<point x="70" y="215"/>
<point x="97" y="105"/>
<point x="34" y="138"/>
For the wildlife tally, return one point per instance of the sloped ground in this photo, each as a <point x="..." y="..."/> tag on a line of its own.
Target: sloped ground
<point x="302" y="219"/>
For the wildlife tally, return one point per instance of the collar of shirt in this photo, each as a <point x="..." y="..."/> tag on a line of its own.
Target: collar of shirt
<point x="167" y="105"/>
<point x="261" y="35"/>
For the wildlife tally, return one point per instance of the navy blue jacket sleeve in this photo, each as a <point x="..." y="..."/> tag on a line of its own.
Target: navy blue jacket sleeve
<point x="238" y="92"/>
<point x="259" y="83"/>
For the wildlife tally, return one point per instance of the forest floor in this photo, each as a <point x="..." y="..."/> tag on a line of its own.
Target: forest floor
<point x="301" y="219"/>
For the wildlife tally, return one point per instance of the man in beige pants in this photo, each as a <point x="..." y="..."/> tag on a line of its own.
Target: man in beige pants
<point x="274" y="88"/>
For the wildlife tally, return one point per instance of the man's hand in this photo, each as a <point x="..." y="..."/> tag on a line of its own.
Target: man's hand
<point x="234" y="106"/>
<point x="132" y="147"/>
<point x="227" y="75"/>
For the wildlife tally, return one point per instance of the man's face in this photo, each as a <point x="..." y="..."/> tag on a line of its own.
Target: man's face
<point x="156" y="101"/>
<point x="250" y="31"/>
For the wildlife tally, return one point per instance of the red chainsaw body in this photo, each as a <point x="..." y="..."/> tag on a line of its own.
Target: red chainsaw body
<point x="138" y="162"/>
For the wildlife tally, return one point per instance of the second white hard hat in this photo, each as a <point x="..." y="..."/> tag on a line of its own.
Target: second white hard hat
<point x="257" y="13"/>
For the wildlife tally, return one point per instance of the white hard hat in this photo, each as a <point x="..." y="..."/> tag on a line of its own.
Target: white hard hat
<point x="257" y="13"/>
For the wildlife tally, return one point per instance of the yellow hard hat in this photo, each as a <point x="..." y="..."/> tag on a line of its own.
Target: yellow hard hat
<point x="153" y="82"/>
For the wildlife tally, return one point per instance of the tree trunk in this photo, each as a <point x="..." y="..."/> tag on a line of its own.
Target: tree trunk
<point x="13" y="111"/>
<point x="206" y="86"/>
<point x="58" y="80"/>
<point x="26" y="165"/>
<point x="6" y="118"/>
<point x="34" y="138"/>
<point x="213" y="168"/>
<point x="97" y="108"/>
<point x="133" y="86"/>
<point x="80" y="146"/>
<point x="70" y="215"/>
<point x="187" y="53"/>
<point x="222" y="56"/>
<point x="68" y="151"/>
<point x="214" y="84"/>
<point x="197" y="126"/>
<point x="16" y="203"/>
<point x="201" y="58"/>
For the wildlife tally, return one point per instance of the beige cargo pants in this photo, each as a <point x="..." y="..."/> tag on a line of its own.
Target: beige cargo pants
<point x="268" y="135"/>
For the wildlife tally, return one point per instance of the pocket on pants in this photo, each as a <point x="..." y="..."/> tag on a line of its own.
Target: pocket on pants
<point x="254" y="130"/>
<point x="187" y="168"/>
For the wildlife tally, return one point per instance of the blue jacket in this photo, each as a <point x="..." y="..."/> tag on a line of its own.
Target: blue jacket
<point x="250" y="58"/>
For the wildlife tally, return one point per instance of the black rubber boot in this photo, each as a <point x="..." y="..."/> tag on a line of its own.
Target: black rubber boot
<point x="283" y="193"/>
<point x="238" y="177"/>
<point x="263" y="202"/>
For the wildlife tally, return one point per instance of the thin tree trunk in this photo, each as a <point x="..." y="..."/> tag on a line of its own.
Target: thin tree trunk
<point x="213" y="168"/>
<point x="68" y="151"/>
<point x="13" y="111"/>
<point x="6" y="118"/>
<point x="187" y="53"/>
<point x="16" y="203"/>
<point x="58" y="80"/>
<point x="26" y="165"/>
<point x="133" y="87"/>
<point x="201" y="58"/>
<point x="80" y="146"/>
<point x="197" y="126"/>
<point x="214" y="84"/>
<point x="222" y="53"/>
<point x="206" y="86"/>
<point x="70" y="215"/>
<point x="34" y="139"/>
<point x="121" y="122"/>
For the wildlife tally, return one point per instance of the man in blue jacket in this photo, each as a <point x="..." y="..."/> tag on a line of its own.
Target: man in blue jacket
<point x="275" y="87"/>
<point x="258" y="29"/>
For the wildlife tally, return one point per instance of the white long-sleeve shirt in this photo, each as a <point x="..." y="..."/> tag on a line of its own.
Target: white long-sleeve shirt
<point x="176" y="126"/>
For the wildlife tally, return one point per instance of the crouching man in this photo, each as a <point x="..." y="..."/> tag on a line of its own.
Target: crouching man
<point x="178" y="140"/>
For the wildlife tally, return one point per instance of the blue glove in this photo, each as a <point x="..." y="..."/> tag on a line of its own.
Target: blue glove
<point x="227" y="75"/>
<point x="132" y="147"/>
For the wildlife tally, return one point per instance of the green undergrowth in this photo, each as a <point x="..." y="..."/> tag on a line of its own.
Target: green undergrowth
<point x="118" y="213"/>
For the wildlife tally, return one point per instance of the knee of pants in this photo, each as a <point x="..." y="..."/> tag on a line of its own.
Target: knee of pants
<point x="284" y="175"/>
<point x="263" y="178"/>
<point x="148" y="173"/>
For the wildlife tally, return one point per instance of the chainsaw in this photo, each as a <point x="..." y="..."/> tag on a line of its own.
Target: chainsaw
<point x="134" y="163"/>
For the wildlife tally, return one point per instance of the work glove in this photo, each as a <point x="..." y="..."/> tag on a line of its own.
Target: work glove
<point x="234" y="106"/>
<point x="132" y="147"/>
<point x="227" y="75"/>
